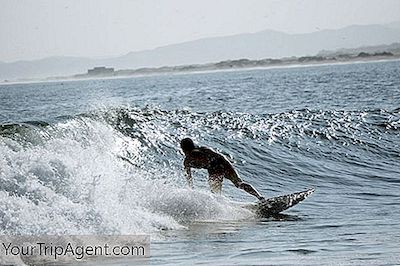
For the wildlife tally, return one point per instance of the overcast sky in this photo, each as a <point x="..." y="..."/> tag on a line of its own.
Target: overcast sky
<point x="32" y="29"/>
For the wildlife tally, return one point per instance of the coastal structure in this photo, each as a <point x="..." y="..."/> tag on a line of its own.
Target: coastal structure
<point x="100" y="71"/>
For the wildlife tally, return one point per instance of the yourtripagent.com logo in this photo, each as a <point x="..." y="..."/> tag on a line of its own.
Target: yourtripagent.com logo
<point x="49" y="249"/>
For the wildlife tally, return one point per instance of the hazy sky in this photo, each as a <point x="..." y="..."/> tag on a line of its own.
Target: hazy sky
<point x="32" y="29"/>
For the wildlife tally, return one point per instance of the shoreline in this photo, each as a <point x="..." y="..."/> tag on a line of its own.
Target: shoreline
<point x="202" y="69"/>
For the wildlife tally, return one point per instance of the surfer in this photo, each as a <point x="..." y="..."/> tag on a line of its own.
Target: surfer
<point x="217" y="165"/>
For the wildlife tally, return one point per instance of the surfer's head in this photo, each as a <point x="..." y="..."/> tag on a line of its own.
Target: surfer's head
<point x="187" y="145"/>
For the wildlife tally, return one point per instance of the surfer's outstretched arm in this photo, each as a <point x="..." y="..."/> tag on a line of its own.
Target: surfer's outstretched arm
<point x="188" y="174"/>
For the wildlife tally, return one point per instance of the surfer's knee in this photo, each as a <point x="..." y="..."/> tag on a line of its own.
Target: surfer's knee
<point x="235" y="179"/>
<point x="238" y="184"/>
<point x="242" y="185"/>
<point x="245" y="186"/>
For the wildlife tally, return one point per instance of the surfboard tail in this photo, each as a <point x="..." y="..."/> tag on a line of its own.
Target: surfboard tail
<point x="278" y="204"/>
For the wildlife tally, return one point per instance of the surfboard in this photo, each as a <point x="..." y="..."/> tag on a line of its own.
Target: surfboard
<point x="275" y="205"/>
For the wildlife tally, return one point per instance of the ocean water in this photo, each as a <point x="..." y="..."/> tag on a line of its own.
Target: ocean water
<point x="335" y="128"/>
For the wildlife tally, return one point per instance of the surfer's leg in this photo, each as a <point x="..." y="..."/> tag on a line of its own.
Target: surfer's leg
<point x="215" y="182"/>
<point x="237" y="181"/>
<point x="251" y="190"/>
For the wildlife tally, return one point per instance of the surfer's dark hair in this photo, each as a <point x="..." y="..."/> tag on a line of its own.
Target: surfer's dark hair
<point x="187" y="144"/>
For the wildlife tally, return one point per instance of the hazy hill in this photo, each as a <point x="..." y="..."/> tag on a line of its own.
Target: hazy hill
<point x="264" y="44"/>
<point x="259" y="45"/>
<point x="393" y="48"/>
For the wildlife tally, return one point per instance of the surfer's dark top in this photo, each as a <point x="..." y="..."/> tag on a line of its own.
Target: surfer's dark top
<point x="206" y="158"/>
<point x="217" y="165"/>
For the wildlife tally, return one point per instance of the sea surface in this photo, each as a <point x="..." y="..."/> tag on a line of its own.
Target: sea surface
<point x="334" y="127"/>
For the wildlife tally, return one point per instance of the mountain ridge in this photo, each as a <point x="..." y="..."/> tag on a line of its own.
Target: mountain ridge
<point x="257" y="45"/>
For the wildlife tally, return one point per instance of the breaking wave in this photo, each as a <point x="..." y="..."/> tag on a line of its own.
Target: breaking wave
<point x="120" y="170"/>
